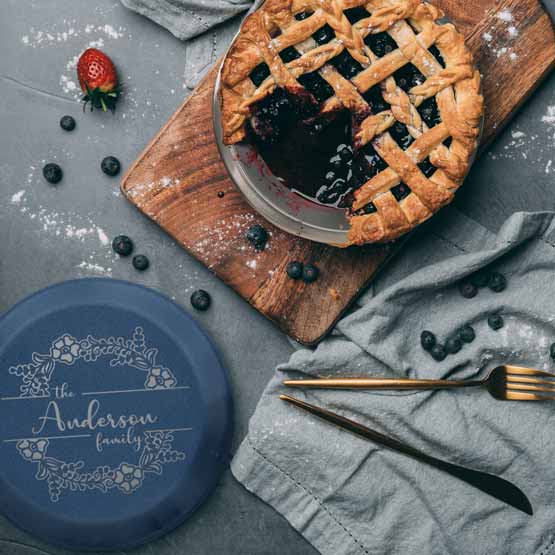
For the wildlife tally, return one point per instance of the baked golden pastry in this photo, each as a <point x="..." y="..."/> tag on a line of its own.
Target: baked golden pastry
<point x="393" y="83"/>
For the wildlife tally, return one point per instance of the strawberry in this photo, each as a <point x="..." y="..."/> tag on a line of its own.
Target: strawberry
<point x="98" y="79"/>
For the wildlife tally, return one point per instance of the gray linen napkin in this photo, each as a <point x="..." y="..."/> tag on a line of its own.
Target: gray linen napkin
<point x="188" y="18"/>
<point x="192" y="20"/>
<point x="349" y="496"/>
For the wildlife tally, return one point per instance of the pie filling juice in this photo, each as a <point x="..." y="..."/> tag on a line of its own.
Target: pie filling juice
<point x="312" y="157"/>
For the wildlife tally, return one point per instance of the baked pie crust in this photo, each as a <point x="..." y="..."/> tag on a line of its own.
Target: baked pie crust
<point x="385" y="39"/>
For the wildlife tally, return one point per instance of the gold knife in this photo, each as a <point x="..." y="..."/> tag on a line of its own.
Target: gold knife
<point x="495" y="486"/>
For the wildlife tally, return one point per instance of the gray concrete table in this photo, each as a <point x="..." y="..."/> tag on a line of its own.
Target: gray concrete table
<point x="49" y="234"/>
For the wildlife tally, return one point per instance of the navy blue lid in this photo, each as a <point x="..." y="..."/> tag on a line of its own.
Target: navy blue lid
<point x="115" y="415"/>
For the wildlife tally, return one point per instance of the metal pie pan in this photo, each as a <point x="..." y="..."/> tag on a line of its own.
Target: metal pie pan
<point x="268" y="195"/>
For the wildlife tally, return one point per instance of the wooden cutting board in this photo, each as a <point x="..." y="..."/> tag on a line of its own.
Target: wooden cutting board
<point x="179" y="178"/>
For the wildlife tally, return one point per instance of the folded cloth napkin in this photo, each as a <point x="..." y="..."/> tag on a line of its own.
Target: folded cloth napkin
<point x="349" y="496"/>
<point x="191" y="19"/>
<point x="188" y="18"/>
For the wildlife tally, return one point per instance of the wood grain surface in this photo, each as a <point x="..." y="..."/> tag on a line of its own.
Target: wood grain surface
<point x="178" y="180"/>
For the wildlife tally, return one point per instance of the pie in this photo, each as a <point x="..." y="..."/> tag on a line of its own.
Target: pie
<point x="371" y="106"/>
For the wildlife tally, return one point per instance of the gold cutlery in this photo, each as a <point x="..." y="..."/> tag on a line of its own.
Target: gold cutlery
<point x="506" y="382"/>
<point x="495" y="486"/>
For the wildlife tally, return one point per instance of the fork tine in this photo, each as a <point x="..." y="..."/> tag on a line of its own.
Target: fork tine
<point x="521" y="396"/>
<point x="525" y="387"/>
<point x="522" y="379"/>
<point x="520" y="370"/>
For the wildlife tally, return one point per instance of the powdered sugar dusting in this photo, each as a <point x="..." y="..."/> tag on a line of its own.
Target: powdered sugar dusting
<point x="505" y="15"/>
<point x="102" y="237"/>
<point x="16" y="197"/>
<point x="95" y="268"/>
<point x="500" y="42"/>
<point x="531" y="146"/>
<point x="69" y="29"/>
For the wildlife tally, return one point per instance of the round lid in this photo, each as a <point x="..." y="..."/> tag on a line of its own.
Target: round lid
<point x="115" y="415"/>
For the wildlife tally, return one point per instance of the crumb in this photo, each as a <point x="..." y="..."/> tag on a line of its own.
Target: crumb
<point x="334" y="294"/>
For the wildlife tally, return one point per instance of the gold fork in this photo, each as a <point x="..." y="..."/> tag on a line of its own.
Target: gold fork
<point x="505" y="382"/>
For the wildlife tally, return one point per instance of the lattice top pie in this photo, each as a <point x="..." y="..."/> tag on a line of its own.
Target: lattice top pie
<point x="393" y="89"/>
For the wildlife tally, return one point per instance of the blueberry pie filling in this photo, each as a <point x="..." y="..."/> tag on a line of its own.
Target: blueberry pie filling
<point x="373" y="110"/>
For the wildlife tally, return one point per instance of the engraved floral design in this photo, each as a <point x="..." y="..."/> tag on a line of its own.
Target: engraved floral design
<point x="32" y="449"/>
<point x="36" y="375"/>
<point x="65" y="349"/>
<point x="127" y="477"/>
<point x="160" y="378"/>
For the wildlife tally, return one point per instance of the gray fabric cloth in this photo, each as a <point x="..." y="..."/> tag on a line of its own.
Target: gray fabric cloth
<point x="188" y="18"/>
<point x="349" y="496"/>
<point x="208" y="25"/>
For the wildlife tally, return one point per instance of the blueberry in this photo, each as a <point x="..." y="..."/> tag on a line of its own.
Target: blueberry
<point x="324" y="34"/>
<point x="468" y="290"/>
<point x="201" y="300"/>
<point x="110" y="166"/>
<point x="466" y="334"/>
<point x="345" y="154"/>
<point x="259" y="74"/>
<point x="497" y="282"/>
<point x="122" y="245"/>
<point x="453" y="345"/>
<point x="52" y="173"/>
<point x="438" y="352"/>
<point x="479" y="279"/>
<point x="310" y="273"/>
<point x="552" y="351"/>
<point x="427" y="340"/>
<point x="257" y="236"/>
<point x="336" y="164"/>
<point x="330" y="177"/>
<point x="495" y="322"/>
<point x="294" y="269"/>
<point x="140" y="262"/>
<point x="67" y="123"/>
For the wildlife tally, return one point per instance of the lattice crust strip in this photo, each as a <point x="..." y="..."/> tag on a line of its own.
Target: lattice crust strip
<point x="437" y="51"/>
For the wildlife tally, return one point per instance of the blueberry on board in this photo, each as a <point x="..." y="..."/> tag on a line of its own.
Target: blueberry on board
<point x="52" y="173"/>
<point x="453" y="345"/>
<point x="294" y="269"/>
<point x="67" y="123"/>
<point x="468" y="289"/>
<point x="427" y="340"/>
<point x="310" y="273"/>
<point x="466" y="334"/>
<point x="257" y="236"/>
<point x="497" y="282"/>
<point x="122" y="245"/>
<point x="201" y="300"/>
<point x="479" y="279"/>
<point x="495" y="322"/>
<point x="552" y="351"/>
<point x="140" y="262"/>
<point x="438" y="352"/>
<point x="110" y="166"/>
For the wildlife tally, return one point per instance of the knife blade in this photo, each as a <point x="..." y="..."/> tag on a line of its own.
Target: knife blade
<point x="497" y="487"/>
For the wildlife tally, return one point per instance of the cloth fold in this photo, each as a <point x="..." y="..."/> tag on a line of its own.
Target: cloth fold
<point x="348" y="496"/>
<point x="188" y="18"/>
